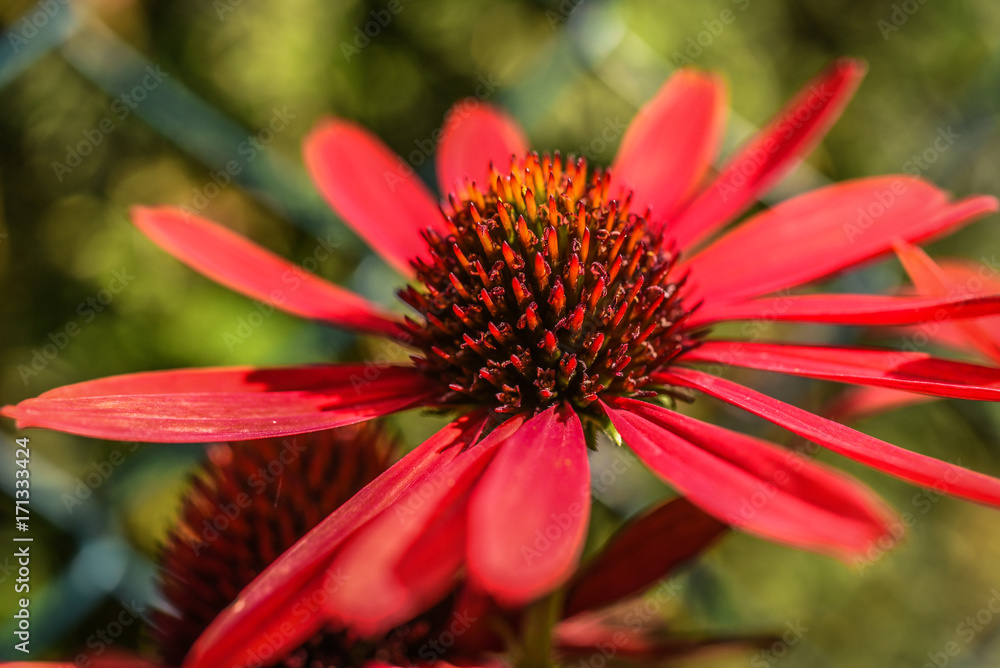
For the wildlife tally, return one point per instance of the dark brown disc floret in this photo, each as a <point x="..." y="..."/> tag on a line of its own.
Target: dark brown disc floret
<point x="545" y="290"/>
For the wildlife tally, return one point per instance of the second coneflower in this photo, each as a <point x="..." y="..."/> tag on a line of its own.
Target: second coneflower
<point x="549" y="297"/>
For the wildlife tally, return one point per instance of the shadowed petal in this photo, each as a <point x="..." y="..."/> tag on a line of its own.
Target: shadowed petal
<point x="915" y="372"/>
<point x="528" y="515"/>
<point x="848" y="309"/>
<point x="216" y="404"/>
<point x="825" y="231"/>
<point x="670" y="144"/>
<point x="408" y="558"/>
<point x="910" y="466"/>
<point x="770" y="154"/>
<point x="373" y="190"/>
<point x="933" y="280"/>
<point x="241" y="265"/>
<point x="860" y="402"/>
<point x="753" y="484"/>
<point x="644" y="550"/>
<point x="295" y="588"/>
<point x="475" y="135"/>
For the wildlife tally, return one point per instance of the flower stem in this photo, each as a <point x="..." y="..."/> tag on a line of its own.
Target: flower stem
<point x="539" y="619"/>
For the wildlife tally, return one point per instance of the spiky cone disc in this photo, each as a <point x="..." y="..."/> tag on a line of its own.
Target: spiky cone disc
<point x="250" y="502"/>
<point x="545" y="290"/>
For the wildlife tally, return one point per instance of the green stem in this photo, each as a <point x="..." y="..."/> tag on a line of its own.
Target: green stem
<point x="539" y="619"/>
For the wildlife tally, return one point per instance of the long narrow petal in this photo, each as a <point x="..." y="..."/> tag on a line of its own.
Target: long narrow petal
<point x="379" y="195"/>
<point x="915" y="372"/>
<point x="408" y="558"/>
<point x="237" y="403"/>
<point x="475" y="135"/>
<point x="839" y="309"/>
<point x="753" y="484"/>
<point x="294" y="590"/>
<point x="771" y="153"/>
<point x="245" y="267"/>
<point x="856" y="403"/>
<point x="910" y="466"/>
<point x="646" y="549"/>
<point x="933" y="280"/>
<point x="528" y="515"/>
<point x="825" y="231"/>
<point x="670" y="144"/>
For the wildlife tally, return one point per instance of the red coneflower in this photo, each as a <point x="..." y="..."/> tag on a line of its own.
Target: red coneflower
<point x="555" y="297"/>
<point x="251" y="501"/>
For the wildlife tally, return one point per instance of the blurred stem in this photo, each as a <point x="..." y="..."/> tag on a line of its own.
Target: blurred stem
<point x="539" y="619"/>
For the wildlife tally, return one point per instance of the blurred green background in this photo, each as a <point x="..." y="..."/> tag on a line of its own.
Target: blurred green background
<point x="200" y="79"/>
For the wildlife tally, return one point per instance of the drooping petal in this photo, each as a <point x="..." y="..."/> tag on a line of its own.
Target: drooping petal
<point x="753" y="484"/>
<point x="644" y="550"/>
<point x="373" y="190"/>
<point x="840" y="309"/>
<point x="295" y="589"/>
<point x="915" y="372"/>
<point x="245" y="267"/>
<point x="770" y="154"/>
<point x="216" y="404"/>
<point x="932" y="280"/>
<point x="475" y="135"/>
<point x="671" y="142"/>
<point x="408" y="557"/>
<point x="825" y="231"/>
<point x="910" y="466"/>
<point x="528" y="515"/>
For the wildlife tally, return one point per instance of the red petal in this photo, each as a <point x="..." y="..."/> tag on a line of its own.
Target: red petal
<point x="848" y="309"/>
<point x="475" y="135"/>
<point x="753" y="484"/>
<point x="378" y="194"/>
<point x="407" y="558"/>
<point x="914" y="372"/>
<point x="294" y="590"/>
<point x="910" y="466"/>
<point x="217" y="404"/>
<point x="646" y="549"/>
<point x="825" y="231"/>
<point x="670" y="144"/>
<point x="528" y="515"/>
<point x="771" y="153"/>
<point x="241" y="265"/>
<point x="932" y="280"/>
<point x="860" y="402"/>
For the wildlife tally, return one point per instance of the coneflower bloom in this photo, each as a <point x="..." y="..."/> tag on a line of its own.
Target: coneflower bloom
<point x="253" y="500"/>
<point x="563" y="301"/>
<point x="977" y="339"/>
